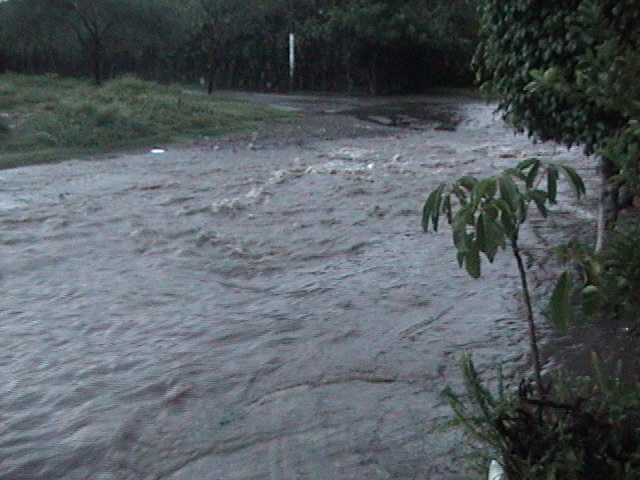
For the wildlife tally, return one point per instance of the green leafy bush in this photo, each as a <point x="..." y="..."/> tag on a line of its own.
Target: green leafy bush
<point x="608" y="282"/>
<point x="587" y="429"/>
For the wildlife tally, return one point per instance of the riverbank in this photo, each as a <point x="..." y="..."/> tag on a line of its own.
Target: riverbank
<point x="47" y="118"/>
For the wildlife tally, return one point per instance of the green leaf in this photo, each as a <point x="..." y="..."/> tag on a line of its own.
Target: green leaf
<point x="462" y="240"/>
<point x="534" y="166"/>
<point x="446" y="208"/>
<point x="480" y="233"/>
<point x="574" y="180"/>
<point x="467" y="182"/>
<point x="495" y="237"/>
<point x="539" y="197"/>
<point x="460" y="193"/>
<point x="427" y="210"/>
<point x="435" y="217"/>
<point x="552" y="183"/>
<point x="472" y="261"/>
<point x="506" y="218"/>
<point x="484" y="189"/>
<point x="521" y="211"/>
<point x="463" y="217"/>
<point x="509" y="191"/>
<point x="431" y="209"/>
<point x="491" y="187"/>
<point x="560" y="305"/>
<point x="524" y="164"/>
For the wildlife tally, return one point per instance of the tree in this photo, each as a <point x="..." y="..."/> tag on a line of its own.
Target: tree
<point x="45" y="34"/>
<point x="564" y="70"/>
<point x="225" y="37"/>
<point x="384" y="46"/>
<point x="28" y="35"/>
<point x="104" y="26"/>
<point x="390" y="46"/>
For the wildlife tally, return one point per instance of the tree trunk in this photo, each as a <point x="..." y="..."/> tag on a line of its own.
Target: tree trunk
<point x="373" y="78"/>
<point x="96" y="55"/>
<point x="533" y="334"/>
<point x="609" y="202"/>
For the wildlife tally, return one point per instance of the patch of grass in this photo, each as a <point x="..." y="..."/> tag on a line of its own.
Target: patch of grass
<point x="24" y="90"/>
<point x="49" y="118"/>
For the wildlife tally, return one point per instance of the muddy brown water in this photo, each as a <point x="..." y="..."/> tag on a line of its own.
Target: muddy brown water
<point x="246" y="310"/>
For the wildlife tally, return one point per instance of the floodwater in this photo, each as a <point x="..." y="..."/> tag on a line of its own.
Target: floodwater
<point x="247" y="311"/>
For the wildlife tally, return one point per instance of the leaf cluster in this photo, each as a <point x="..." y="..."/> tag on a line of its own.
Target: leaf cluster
<point x="605" y="283"/>
<point x="486" y="214"/>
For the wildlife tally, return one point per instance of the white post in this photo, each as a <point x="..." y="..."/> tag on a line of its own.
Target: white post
<point x="292" y="58"/>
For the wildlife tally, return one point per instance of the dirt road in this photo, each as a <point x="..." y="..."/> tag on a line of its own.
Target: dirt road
<point x="261" y="307"/>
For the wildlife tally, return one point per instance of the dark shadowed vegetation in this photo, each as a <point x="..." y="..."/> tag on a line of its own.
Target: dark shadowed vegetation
<point x="374" y="46"/>
<point x="565" y="71"/>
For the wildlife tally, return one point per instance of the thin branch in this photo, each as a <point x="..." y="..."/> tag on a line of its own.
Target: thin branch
<point x="533" y="334"/>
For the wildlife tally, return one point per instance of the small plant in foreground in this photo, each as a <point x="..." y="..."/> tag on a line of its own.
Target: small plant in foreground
<point x="486" y="215"/>
<point x="586" y="429"/>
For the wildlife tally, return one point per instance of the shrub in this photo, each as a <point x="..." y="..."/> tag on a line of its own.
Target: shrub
<point x="607" y="283"/>
<point x="585" y="429"/>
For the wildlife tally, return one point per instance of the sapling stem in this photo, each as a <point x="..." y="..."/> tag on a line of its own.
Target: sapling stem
<point x="533" y="333"/>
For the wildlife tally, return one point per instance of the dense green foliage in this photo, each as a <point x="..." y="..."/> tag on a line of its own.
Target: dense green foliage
<point x="48" y="117"/>
<point x="567" y="70"/>
<point x="396" y="45"/>
<point x="380" y="46"/>
<point x="562" y="69"/>
<point x="587" y="429"/>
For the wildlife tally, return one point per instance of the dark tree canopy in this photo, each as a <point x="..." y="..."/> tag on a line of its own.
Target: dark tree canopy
<point x="81" y="37"/>
<point x="568" y="71"/>
<point x="391" y="46"/>
<point x="550" y="62"/>
<point x="381" y="46"/>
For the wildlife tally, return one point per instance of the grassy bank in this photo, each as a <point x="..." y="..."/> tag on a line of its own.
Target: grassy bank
<point x="45" y="118"/>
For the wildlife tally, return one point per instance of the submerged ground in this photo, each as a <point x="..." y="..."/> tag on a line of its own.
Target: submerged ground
<point x="260" y="307"/>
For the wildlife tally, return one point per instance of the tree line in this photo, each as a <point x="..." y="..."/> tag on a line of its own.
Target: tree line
<point x="377" y="46"/>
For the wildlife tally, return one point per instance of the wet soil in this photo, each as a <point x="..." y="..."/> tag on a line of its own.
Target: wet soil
<point x="263" y="306"/>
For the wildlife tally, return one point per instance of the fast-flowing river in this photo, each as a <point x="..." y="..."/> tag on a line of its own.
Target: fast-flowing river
<point x="247" y="311"/>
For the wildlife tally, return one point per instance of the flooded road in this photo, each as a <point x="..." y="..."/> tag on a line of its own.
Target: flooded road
<point x="249" y="310"/>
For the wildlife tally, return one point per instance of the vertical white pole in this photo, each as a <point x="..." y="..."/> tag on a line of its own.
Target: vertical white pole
<point x="292" y="57"/>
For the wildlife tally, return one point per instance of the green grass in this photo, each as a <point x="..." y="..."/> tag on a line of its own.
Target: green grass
<point x="46" y="118"/>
